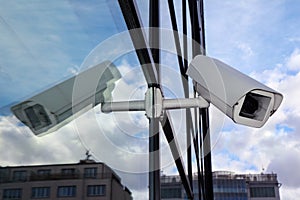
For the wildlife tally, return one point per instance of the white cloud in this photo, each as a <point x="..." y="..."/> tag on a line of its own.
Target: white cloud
<point x="18" y="146"/>
<point x="293" y="62"/>
<point x="294" y="39"/>
<point x="287" y="163"/>
<point x="246" y="49"/>
<point x="287" y="193"/>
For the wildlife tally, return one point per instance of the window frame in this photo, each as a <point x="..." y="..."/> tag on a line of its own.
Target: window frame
<point x="36" y="194"/>
<point x="262" y="192"/>
<point x="19" y="175"/>
<point x="67" y="191"/>
<point x="96" y="190"/>
<point x="12" y="193"/>
<point x="90" y="172"/>
<point x="68" y="171"/>
<point x="44" y="172"/>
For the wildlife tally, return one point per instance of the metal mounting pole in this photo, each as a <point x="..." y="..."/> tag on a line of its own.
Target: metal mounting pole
<point x="154" y="152"/>
<point x="207" y="154"/>
<point x="154" y="159"/>
<point x="153" y="108"/>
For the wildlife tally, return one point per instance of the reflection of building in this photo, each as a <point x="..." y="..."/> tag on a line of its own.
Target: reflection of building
<point x="85" y="180"/>
<point x="228" y="186"/>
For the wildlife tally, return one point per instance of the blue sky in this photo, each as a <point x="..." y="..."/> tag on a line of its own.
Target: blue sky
<point x="42" y="43"/>
<point x="261" y="34"/>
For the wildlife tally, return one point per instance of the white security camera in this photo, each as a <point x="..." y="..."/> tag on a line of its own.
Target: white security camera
<point x="53" y="108"/>
<point x="243" y="99"/>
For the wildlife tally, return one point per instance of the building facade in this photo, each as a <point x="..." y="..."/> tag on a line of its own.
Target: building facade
<point x="227" y="186"/>
<point x="86" y="180"/>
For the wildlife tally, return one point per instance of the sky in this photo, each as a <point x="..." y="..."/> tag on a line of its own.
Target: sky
<point x="43" y="43"/>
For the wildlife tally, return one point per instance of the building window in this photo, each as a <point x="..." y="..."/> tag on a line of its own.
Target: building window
<point x="12" y="194"/>
<point x="68" y="171"/>
<point x="66" y="191"/>
<point x="96" y="190"/>
<point x="44" y="172"/>
<point x="19" y="175"/>
<point x="262" y="192"/>
<point x="4" y="175"/>
<point x="40" y="192"/>
<point x="169" y="193"/>
<point x="90" y="172"/>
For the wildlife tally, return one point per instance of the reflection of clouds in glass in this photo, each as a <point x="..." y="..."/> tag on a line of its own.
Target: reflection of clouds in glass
<point x="18" y="146"/>
<point x="124" y="136"/>
<point x="41" y="41"/>
<point x="132" y="85"/>
<point x="4" y="76"/>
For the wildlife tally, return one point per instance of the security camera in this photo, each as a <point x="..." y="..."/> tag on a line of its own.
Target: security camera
<point x="243" y="99"/>
<point x="53" y="108"/>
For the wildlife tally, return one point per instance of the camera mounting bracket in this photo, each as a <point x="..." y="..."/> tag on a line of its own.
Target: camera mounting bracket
<point x="154" y="104"/>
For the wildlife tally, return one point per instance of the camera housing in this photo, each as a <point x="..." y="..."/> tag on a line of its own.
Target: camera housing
<point x="53" y="108"/>
<point x="243" y="99"/>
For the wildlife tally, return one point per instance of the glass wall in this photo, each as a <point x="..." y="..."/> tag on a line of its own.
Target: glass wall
<point x="262" y="192"/>
<point x="226" y="189"/>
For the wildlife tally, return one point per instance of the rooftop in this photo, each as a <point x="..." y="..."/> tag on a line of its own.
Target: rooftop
<point x="266" y="177"/>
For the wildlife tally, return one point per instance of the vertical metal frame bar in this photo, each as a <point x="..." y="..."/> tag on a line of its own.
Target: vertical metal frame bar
<point x="168" y="130"/>
<point x="154" y="159"/>
<point x="205" y="115"/>
<point x="196" y="46"/>
<point x="201" y="156"/>
<point x="154" y="152"/>
<point x="184" y="79"/>
<point x="154" y="34"/>
<point x="207" y="154"/>
<point x="196" y="13"/>
<point x="144" y="55"/>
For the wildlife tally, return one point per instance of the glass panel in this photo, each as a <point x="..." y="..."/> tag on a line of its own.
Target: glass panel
<point x="169" y="193"/>
<point x="66" y="191"/>
<point x="44" y="172"/>
<point x="40" y="192"/>
<point x="19" y="175"/>
<point x="262" y="192"/>
<point x="90" y="172"/>
<point x="68" y="171"/>
<point x="96" y="190"/>
<point x="12" y="194"/>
